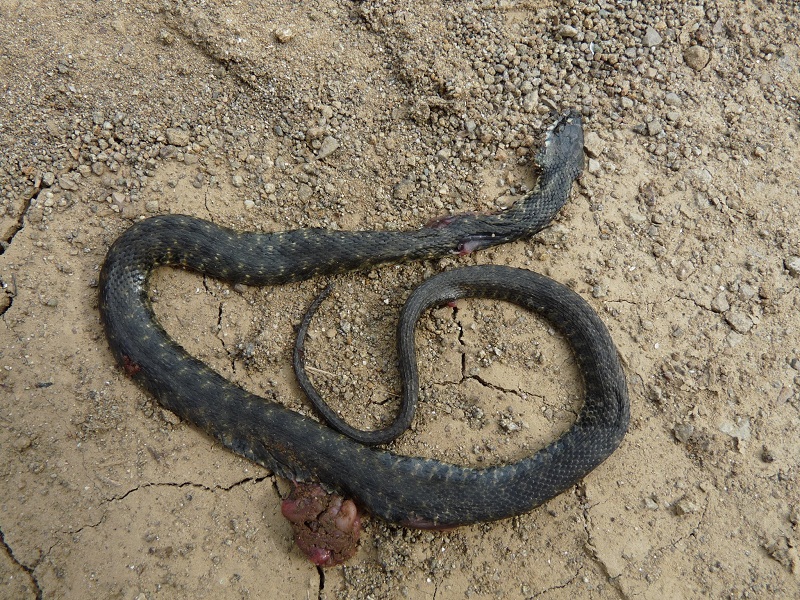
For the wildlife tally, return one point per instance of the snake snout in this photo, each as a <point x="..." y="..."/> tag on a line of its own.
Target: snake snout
<point x="563" y="145"/>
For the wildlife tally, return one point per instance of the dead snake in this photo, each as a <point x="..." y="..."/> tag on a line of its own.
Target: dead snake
<point x="411" y="491"/>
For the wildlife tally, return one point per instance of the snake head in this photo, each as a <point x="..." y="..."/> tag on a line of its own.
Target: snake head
<point x="563" y="147"/>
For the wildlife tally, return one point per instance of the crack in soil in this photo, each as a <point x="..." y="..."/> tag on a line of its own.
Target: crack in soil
<point x="671" y="545"/>
<point x="320" y="592"/>
<point x="461" y="343"/>
<point x="238" y="350"/>
<point x="199" y="486"/>
<point x="591" y="549"/>
<point x="8" y="299"/>
<point x="693" y="301"/>
<point x="28" y="570"/>
<point x="184" y="484"/>
<point x="620" y="301"/>
<point x="20" y="223"/>
<point x="8" y="295"/>
<point x="594" y="555"/>
<point x="560" y="586"/>
<point x="499" y="388"/>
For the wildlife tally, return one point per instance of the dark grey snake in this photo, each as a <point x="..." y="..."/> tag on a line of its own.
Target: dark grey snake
<point x="410" y="491"/>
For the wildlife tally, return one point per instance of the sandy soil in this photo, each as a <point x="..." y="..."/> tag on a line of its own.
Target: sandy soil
<point x="683" y="234"/>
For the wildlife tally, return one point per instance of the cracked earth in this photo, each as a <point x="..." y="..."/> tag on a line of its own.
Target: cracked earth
<point x="683" y="234"/>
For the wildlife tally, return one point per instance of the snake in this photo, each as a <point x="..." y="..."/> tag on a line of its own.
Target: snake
<point x="405" y="490"/>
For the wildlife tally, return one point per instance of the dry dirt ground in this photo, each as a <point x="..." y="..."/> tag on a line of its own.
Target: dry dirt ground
<point x="683" y="234"/>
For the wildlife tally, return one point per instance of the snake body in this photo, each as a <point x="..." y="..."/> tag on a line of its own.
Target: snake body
<point x="411" y="491"/>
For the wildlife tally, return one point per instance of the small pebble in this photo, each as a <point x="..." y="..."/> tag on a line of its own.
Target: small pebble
<point x="508" y="424"/>
<point x="685" y="507"/>
<point x="651" y="37"/>
<point x="654" y="127"/>
<point x="685" y="269"/>
<point x="22" y="443"/>
<point x="683" y="432"/>
<point x="505" y="202"/>
<point x="166" y="37"/>
<point x="314" y="133"/>
<point x="720" y="303"/>
<point x="328" y="147"/>
<point x="696" y="57"/>
<point x="304" y="192"/>
<point x="747" y="292"/>
<point x="402" y="189"/>
<point x="177" y="137"/>
<point x="792" y="264"/>
<point x="284" y="34"/>
<point x="739" y="322"/>
<point x="67" y="184"/>
<point x="740" y="431"/>
<point x="593" y="144"/>
<point x="567" y="31"/>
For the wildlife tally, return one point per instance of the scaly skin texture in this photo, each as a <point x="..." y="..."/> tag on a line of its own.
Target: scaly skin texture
<point x="411" y="491"/>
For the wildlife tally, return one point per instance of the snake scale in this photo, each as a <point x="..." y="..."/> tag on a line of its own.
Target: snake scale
<point x="410" y="491"/>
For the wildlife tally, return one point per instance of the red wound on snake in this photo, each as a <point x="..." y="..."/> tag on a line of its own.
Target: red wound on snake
<point x="326" y="526"/>
<point x="470" y="245"/>
<point x="131" y="368"/>
<point x="446" y="220"/>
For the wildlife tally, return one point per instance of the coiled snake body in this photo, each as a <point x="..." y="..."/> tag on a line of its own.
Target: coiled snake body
<point x="411" y="491"/>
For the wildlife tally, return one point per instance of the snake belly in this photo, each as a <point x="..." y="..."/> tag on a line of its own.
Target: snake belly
<point x="405" y="490"/>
